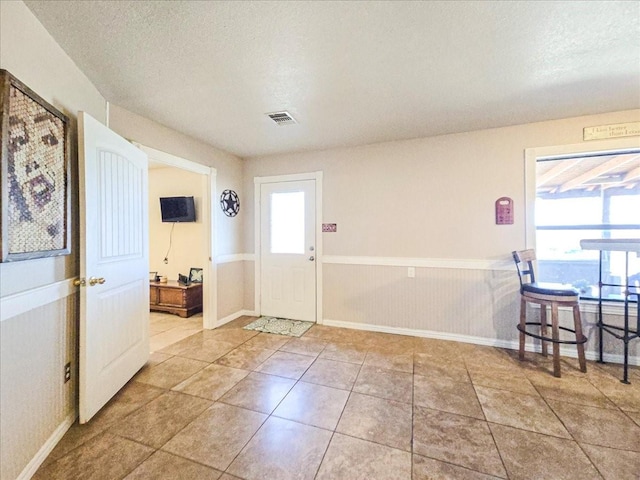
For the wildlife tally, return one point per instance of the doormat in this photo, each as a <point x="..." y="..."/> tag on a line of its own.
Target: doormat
<point x="280" y="326"/>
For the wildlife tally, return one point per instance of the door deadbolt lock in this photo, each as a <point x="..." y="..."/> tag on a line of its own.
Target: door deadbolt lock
<point x="311" y="248"/>
<point x="94" y="281"/>
<point x="80" y="282"/>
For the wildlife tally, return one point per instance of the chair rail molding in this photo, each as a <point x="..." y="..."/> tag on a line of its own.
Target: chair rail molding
<point x="22" y="302"/>
<point x="464" y="264"/>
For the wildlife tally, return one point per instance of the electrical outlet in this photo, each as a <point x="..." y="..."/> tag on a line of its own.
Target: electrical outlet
<point x="411" y="272"/>
<point x="67" y="372"/>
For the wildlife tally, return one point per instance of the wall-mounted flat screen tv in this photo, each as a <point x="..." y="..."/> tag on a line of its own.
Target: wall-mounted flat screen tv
<point x="177" y="209"/>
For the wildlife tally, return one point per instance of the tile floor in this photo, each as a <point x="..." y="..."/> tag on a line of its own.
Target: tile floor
<point x="167" y="329"/>
<point x="345" y="404"/>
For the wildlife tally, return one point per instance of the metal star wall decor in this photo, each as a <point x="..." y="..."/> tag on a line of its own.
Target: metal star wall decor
<point x="230" y="203"/>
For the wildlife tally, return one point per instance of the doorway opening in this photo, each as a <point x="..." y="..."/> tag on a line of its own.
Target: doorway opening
<point x="183" y="299"/>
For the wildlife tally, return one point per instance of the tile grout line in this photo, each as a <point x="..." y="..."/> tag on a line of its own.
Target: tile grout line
<point x="112" y="424"/>
<point x="145" y="458"/>
<point x="226" y="470"/>
<point x="338" y="422"/>
<point x="269" y="415"/>
<point x="495" y="443"/>
<point x="167" y="390"/>
<point x="369" y="350"/>
<point x="568" y="431"/>
<point x="413" y="404"/>
<point x="607" y="396"/>
<point x="216" y="401"/>
<point x="351" y="391"/>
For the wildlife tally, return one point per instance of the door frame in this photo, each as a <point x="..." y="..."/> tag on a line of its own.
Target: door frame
<point x="210" y="294"/>
<point x="258" y="182"/>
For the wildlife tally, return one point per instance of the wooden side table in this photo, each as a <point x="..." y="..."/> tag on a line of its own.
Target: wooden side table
<point x="176" y="298"/>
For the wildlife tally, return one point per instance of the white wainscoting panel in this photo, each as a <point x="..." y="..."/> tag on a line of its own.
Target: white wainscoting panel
<point x="475" y="301"/>
<point x="230" y="288"/>
<point x="477" y="306"/>
<point x="34" y="400"/>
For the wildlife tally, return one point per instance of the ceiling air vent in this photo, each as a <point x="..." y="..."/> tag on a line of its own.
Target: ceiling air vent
<point x="282" y="118"/>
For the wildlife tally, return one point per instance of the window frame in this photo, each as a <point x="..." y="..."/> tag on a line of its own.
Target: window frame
<point x="559" y="152"/>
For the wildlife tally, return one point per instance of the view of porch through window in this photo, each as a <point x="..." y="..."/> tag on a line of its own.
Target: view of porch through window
<point x="594" y="196"/>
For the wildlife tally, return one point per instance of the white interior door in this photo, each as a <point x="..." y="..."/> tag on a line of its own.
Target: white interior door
<point x="288" y="266"/>
<point x="114" y="259"/>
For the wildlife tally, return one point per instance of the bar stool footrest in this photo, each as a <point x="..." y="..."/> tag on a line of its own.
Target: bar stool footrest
<point x="579" y="341"/>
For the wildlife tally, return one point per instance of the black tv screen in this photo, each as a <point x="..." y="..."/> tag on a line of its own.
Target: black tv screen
<point x="177" y="209"/>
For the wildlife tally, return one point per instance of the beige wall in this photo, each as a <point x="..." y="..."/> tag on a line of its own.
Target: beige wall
<point x="33" y="398"/>
<point x="473" y="303"/>
<point x="230" y="289"/>
<point x="249" y="285"/>
<point x="429" y="197"/>
<point x="229" y="230"/>
<point x="28" y="52"/>
<point x="189" y="244"/>
<point x="229" y="167"/>
<point x="35" y="345"/>
<point x="428" y="200"/>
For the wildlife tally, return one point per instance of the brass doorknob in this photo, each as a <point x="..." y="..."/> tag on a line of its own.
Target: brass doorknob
<point x="94" y="281"/>
<point x="79" y="282"/>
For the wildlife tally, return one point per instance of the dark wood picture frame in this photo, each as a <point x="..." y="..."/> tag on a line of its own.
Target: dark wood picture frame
<point x="195" y="275"/>
<point x="35" y="200"/>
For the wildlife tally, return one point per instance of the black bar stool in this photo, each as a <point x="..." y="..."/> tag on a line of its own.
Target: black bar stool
<point x="547" y="294"/>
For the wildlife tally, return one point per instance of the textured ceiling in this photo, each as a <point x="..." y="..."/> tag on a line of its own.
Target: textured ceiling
<point x="351" y="73"/>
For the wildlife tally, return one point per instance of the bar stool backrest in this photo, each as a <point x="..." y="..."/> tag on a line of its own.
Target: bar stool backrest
<point x="524" y="263"/>
<point x="547" y="296"/>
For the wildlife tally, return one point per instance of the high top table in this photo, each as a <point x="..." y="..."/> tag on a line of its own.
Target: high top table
<point x="628" y="334"/>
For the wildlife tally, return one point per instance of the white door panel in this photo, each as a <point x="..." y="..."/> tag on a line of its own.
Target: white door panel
<point x="118" y="335"/>
<point x="114" y="315"/>
<point x="288" y="267"/>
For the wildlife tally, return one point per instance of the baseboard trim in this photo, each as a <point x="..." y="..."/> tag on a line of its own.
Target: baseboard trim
<point x="489" y="342"/>
<point x="32" y="467"/>
<point x="454" y="337"/>
<point x="233" y="316"/>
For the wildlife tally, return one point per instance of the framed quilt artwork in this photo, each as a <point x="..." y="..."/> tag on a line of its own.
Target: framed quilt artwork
<point x="34" y="175"/>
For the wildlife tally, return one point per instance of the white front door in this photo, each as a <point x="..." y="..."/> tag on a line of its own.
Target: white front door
<point x="288" y="266"/>
<point x="114" y="259"/>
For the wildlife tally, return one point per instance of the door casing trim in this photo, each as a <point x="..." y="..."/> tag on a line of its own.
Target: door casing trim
<point x="210" y="294"/>
<point x="258" y="182"/>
